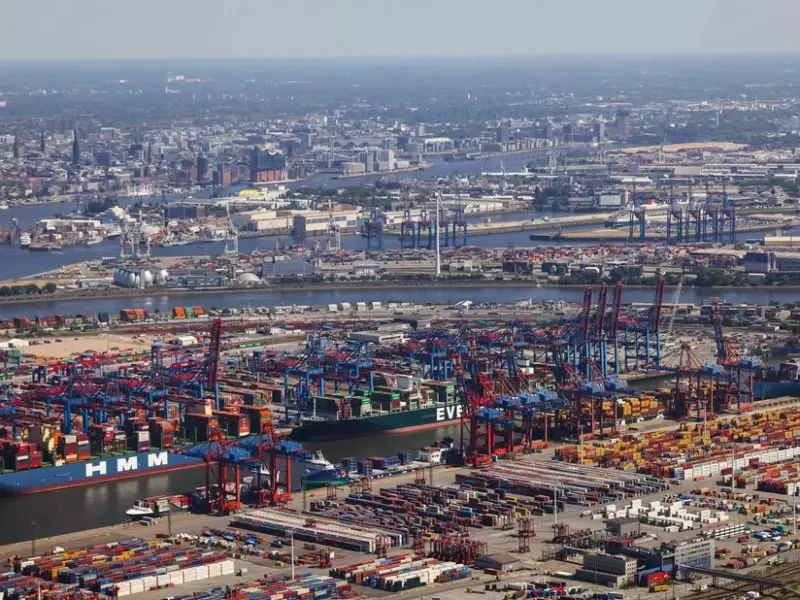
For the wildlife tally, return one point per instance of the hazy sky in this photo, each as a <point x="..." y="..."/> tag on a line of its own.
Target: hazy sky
<point x="65" y="29"/>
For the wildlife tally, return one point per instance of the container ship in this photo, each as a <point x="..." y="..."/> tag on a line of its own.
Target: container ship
<point x="406" y="404"/>
<point x="51" y="460"/>
<point x="770" y="382"/>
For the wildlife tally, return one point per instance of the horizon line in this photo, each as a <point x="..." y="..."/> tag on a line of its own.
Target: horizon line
<point x="412" y="57"/>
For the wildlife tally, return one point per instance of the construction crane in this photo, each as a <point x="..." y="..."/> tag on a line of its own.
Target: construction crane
<point x="334" y="231"/>
<point x="600" y="352"/>
<point x="584" y="324"/>
<point x="613" y="330"/>
<point x="274" y="465"/>
<point x="231" y="234"/>
<point x="212" y="362"/>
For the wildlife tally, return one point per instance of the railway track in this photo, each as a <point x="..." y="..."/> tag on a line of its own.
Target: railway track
<point x="786" y="574"/>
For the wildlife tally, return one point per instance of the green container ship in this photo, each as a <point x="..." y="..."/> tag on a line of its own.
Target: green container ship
<point x="380" y="411"/>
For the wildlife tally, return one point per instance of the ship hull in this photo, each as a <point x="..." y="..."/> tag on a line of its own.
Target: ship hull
<point x="399" y="422"/>
<point x="86" y="473"/>
<point x="764" y="390"/>
<point x="323" y="479"/>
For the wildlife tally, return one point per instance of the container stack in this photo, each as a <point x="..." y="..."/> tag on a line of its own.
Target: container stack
<point x="305" y="586"/>
<point x="84" y="449"/>
<point x="691" y="454"/>
<point x="68" y="447"/>
<point x="402" y="572"/>
<point x="161" y="433"/>
<point x="21" y="456"/>
<point x="354" y="537"/>
<point x="13" y="585"/>
<point x="577" y="483"/>
<point x="385" y="462"/>
<point x="129" y="567"/>
<point x="421" y="507"/>
<point x="406" y="458"/>
<point x="350" y="464"/>
<point x="102" y="437"/>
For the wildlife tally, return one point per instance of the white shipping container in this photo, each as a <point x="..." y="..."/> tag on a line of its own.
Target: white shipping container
<point x="123" y="589"/>
<point x="189" y="575"/>
<point x="214" y="570"/>
<point x="137" y="586"/>
<point x="227" y="567"/>
<point x="163" y="580"/>
<point x="202" y="572"/>
<point x="148" y="582"/>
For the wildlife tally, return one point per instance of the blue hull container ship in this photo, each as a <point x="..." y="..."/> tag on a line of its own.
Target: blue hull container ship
<point x="90" y="472"/>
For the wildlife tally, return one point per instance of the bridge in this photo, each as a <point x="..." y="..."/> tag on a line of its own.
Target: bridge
<point x="768" y="588"/>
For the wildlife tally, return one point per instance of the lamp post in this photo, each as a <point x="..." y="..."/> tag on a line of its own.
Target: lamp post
<point x="33" y="538"/>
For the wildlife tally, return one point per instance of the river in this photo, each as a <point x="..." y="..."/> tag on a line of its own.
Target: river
<point x="79" y="509"/>
<point x="492" y="292"/>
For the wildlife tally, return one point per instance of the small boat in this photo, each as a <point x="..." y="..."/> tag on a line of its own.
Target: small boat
<point x="25" y="240"/>
<point x="114" y="231"/>
<point x="3" y="206"/>
<point x="93" y="239"/>
<point x="158" y="505"/>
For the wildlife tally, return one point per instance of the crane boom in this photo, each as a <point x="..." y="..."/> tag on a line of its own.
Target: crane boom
<point x="601" y="311"/>
<point x="655" y="317"/>
<point x="214" y="346"/>
<point x="587" y="308"/>
<point x="616" y="310"/>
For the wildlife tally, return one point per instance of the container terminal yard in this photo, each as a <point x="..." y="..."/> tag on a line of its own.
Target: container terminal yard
<point x="603" y="448"/>
<point x="425" y="328"/>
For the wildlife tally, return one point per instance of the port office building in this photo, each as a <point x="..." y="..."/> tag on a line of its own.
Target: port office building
<point x="667" y="557"/>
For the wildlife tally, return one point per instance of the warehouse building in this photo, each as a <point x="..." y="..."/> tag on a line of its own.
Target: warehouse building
<point x="501" y="562"/>
<point x="263" y="220"/>
<point x="316" y="222"/>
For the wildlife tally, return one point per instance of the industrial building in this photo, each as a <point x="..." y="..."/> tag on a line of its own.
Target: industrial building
<point x="668" y="557"/>
<point x="624" y="528"/>
<point x="263" y="220"/>
<point x="772" y="262"/>
<point x="287" y="267"/>
<point x="698" y="553"/>
<point x="608" y="569"/>
<point x="501" y="562"/>
<point x="185" y="210"/>
<point x="317" y="221"/>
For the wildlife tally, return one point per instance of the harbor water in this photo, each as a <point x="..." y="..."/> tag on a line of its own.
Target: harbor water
<point x="491" y="292"/>
<point x="82" y="508"/>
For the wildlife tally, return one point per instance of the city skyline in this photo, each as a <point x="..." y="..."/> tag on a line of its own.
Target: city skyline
<point x="89" y="29"/>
